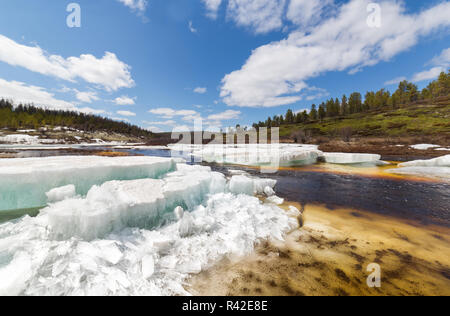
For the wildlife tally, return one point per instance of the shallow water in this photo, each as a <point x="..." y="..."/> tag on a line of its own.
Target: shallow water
<point x="365" y="188"/>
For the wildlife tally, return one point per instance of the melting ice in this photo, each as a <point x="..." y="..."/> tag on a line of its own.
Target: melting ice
<point x="141" y="236"/>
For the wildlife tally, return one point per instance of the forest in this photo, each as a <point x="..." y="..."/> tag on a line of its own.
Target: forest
<point x="32" y="117"/>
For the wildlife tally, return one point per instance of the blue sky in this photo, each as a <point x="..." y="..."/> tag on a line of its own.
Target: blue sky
<point x="163" y="63"/>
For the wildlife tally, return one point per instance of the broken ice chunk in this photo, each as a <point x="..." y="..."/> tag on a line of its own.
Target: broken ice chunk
<point x="61" y="193"/>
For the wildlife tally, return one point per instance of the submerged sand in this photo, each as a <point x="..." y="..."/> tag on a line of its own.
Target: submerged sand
<point x="330" y="254"/>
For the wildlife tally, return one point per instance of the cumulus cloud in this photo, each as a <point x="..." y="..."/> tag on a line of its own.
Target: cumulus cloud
<point x="107" y="72"/>
<point x="441" y="63"/>
<point x="395" y="81"/>
<point x="212" y="7"/>
<point x="126" y="113"/>
<point x="261" y="16"/>
<point x="136" y="5"/>
<point x="169" y="113"/>
<point x="86" y="96"/>
<point x="306" y="12"/>
<point x="20" y="92"/>
<point x="124" y="100"/>
<point x="225" y="116"/>
<point x="200" y="90"/>
<point x="276" y="73"/>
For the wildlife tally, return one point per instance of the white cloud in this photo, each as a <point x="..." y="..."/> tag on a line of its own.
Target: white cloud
<point x="212" y="7"/>
<point x="395" y="81"/>
<point x="441" y="63"/>
<point x="261" y="16"/>
<point x="443" y="59"/>
<point x="430" y="74"/>
<point x="225" y="116"/>
<point x="124" y="100"/>
<point x="192" y="28"/>
<point x="126" y="113"/>
<point x="20" y="92"/>
<point x="154" y="129"/>
<point x="108" y="72"/>
<point x="136" y="5"/>
<point x="305" y="12"/>
<point x="170" y="113"/>
<point x="86" y="96"/>
<point x="120" y="119"/>
<point x="276" y="73"/>
<point x="165" y="123"/>
<point x="200" y="90"/>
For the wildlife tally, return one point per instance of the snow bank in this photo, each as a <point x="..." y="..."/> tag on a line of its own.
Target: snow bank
<point x="131" y="260"/>
<point x="344" y="158"/>
<point x="424" y="146"/>
<point x="24" y="182"/>
<point x="19" y="139"/>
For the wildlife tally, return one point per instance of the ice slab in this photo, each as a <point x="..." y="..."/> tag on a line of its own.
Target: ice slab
<point x="443" y="161"/>
<point x="254" y="154"/>
<point x="144" y="203"/>
<point x="345" y="158"/>
<point x="435" y="168"/>
<point x="431" y="172"/>
<point x="24" y="182"/>
<point x="242" y="184"/>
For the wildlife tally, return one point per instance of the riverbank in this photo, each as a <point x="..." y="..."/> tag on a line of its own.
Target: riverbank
<point x="329" y="256"/>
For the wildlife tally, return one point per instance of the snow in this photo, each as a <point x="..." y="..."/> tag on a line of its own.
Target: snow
<point x="24" y="181"/>
<point x="424" y="146"/>
<point x="344" y="158"/>
<point x="19" y="139"/>
<point x="134" y="237"/>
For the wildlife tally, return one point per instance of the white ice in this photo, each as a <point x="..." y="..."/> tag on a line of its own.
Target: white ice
<point x="345" y="158"/>
<point x="24" y="182"/>
<point x="61" y="193"/>
<point x="435" y="168"/>
<point x="50" y="254"/>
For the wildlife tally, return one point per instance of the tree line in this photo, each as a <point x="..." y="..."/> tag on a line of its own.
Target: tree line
<point x="32" y="117"/>
<point x="406" y="93"/>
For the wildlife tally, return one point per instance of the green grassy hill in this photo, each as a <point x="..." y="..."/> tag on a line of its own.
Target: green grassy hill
<point x="417" y="120"/>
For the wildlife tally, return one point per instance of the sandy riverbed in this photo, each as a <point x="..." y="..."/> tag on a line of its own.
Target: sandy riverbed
<point x="329" y="255"/>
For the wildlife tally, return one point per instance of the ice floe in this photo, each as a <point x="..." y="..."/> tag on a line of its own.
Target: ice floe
<point x="25" y="182"/>
<point x="435" y="168"/>
<point x="152" y="234"/>
<point x="345" y="158"/>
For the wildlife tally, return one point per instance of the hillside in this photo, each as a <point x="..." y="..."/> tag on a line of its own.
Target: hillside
<point x="417" y="120"/>
<point x="66" y="125"/>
